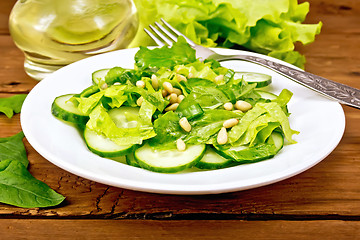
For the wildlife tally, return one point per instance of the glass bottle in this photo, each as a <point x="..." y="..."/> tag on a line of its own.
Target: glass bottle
<point x="54" y="33"/>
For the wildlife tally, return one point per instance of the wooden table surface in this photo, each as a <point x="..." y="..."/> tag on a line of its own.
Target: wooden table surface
<point x="321" y="203"/>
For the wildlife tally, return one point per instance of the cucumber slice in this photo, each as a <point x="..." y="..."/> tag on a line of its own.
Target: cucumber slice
<point x="130" y="160"/>
<point x="266" y="95"/>
<point x="212" y="160"/>
<point x="67" y="111"/>
<point x="123" y="117"/>
<point x="99" y="75"/>
<point x="246" y="154"/>
<point x="103" y="146"/>
<point x="277" y="139"/>
<point x="169" y="161"/>
<point x="120" y="159"/>
<point x="261" y="79"/>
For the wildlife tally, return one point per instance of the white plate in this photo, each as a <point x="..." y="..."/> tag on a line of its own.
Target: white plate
<point x="321" y="123"/>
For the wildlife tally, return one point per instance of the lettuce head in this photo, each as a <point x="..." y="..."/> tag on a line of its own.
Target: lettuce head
<point x="269" y="27"/>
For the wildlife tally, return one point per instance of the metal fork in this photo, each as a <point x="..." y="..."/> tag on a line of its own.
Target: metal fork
<point x="342" y="93"/>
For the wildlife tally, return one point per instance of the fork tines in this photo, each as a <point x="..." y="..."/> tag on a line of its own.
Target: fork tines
<point x="167" y="38"/>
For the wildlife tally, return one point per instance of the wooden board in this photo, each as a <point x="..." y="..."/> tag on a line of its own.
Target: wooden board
<point x="158" y="230"/>
<point x="322" y="202"/>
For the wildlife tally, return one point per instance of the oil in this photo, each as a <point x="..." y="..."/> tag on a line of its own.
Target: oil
<point x="55" y="33"/>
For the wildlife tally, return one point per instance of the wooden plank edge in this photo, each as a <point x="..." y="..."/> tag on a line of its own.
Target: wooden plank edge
<point x="152" y="229"/>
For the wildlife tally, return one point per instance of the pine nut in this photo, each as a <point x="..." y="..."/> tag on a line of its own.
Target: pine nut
<point x="179" y="69"/>
<point x="180" y="145"/>
<point x="154" y="82"/>
<point x="243" y="106"/>
<point x="184" y="124"/>
<point x="228" y="106"/>
<point x="140" y="84"/>
<point x="104" y="86"/>
<point x="222" y="136"/>
<point x="172" y="107"/>
<point x="190" y="75"/>
<point x="168" y="87"/>
<point x="230" y="123"/>
<point x="219" y="78"/>
<point x="180" y="98"/>
<point x="177" y="91"/>
<point x="139" y="101"/>
<point x="117" y="84"/>
<point x="164" y="93"/>
<point x="237" y="111"/>
<point x="180" y="78"/>
<point x="173" y="98"/>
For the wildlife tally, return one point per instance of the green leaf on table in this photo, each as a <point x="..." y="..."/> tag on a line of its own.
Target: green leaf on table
<point x="12" y="104"/>
<point x="19" y="188"/>
<point x="13" y="148"/>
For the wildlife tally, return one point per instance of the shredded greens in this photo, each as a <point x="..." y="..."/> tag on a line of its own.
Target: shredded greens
<point x="205" y="87"/>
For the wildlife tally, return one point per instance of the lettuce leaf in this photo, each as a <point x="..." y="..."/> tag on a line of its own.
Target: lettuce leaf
<point x="277" y="113"/>
<point x="205" y="127"/>
<point x="261" y="116"/>
<point x="153" y="97"/>
<point x="87" y="104"/>
<point x="12" y="104"/>
<point x="270" y="27"/>
<point x="101" y="122"/>
<point x="146" y="112"/>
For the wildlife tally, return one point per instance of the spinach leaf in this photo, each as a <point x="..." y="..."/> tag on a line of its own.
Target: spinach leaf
<point x="209" y="124"/>
<point x="12" y="104"/>
<point x="13" y="148"/>
<point x="19" y="188"/>
<point x="179" y="53"/>
<point x="167" y="131"/>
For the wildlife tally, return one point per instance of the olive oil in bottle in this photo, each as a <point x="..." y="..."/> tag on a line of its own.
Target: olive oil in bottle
<point x="54" y="33"/>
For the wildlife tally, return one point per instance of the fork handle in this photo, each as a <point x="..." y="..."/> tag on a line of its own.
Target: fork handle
<point x="342" y="93"/>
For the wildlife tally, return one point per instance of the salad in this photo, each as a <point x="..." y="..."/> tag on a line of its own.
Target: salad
<point x="173" y="112"/>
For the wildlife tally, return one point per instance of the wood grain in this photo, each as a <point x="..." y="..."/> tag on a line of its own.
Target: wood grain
<point x="158" y="230"/>
<point x="320" y="203"/>
<point x="5" y="8"/>
<point x="306" y="196"/>
<point x="13" y="78"/>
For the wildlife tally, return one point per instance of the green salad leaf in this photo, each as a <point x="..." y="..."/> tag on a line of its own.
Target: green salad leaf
<point x="270" y="27"/>
<point x="256" y="120"/>
<point x="172" y="103"/>
<point x="275" y="111"/>
<point x="12" y="104"/>
<point x="101" y="122"/>
<point x="179" y="53"/>
<point x="19" y="188"/>
<point x="208" y="125"/>
<point x="253" y="153"/>
<point x="167" y="131"/>
<point x="13" y="148"/>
